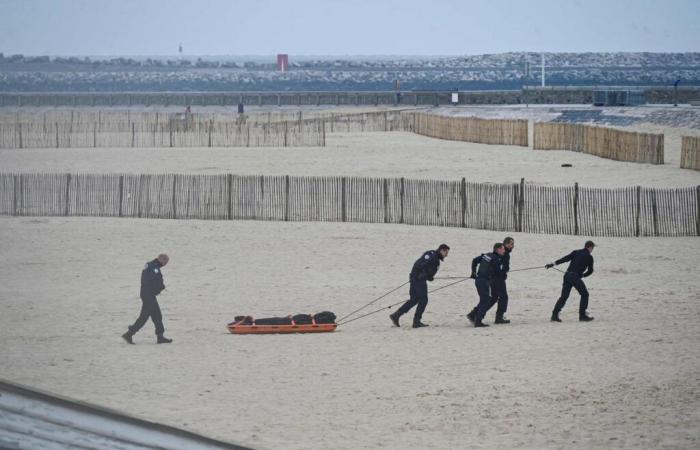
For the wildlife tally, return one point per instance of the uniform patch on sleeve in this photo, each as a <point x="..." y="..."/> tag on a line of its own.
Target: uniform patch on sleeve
<point x="427" y="256"/>
<point x="155" y="270"/>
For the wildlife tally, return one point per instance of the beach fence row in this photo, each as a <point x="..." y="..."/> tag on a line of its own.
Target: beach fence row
<point x="600" y="141"/>
<point x="472" y="129"/>
<point x="172" y="133"/>
<point x="690" y="153"/>
<point x="520" y="207"/>
<point x="63" y="129"/>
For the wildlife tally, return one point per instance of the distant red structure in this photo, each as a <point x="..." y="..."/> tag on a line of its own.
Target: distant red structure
<point x="282" y="62"/>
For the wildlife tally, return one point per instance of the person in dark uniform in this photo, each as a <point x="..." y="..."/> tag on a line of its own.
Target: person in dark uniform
<point x="424" y="270"/>
<point x="499" y="293"/>
<point x="490" y="267"/>
<point x="151" y="286"/>
<point x="580" y="266"/>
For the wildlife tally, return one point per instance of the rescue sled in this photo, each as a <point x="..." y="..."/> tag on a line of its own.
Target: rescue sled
<point x="302" y="324"/>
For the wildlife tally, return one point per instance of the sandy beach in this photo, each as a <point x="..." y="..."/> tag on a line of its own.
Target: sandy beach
<point x="628" y="380"/>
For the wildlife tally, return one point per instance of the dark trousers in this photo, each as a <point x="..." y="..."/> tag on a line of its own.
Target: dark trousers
<point x="499" y="294"/>
<point x="149" y="308"/>
<point x="483" y="287"/>
<point x="572" y="280"/>
<point x="418" y="295"/>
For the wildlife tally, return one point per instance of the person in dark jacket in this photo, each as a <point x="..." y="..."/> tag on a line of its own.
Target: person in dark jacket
<point x="485" y="269"/>
<point x="580" y="266"/>
<point x="499" y="293"/>
<point x="151" y="286"/>
<point x="424" y="270"/>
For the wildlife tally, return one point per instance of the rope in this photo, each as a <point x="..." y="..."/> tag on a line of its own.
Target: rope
<point x="398" y="303"/>
<point x="373" y="301"/>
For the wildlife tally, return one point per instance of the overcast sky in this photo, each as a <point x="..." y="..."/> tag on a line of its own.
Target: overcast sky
<point x="347" y="27"/>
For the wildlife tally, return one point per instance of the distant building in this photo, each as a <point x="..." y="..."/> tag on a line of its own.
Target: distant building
<point x="618" y="97"/>
<point x="282" y="62"/>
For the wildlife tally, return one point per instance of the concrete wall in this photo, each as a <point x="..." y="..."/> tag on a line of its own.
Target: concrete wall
<point x="532" y="95"/>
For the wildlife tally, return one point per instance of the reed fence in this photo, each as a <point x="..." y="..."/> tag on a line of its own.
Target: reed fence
<point x="472" y="129"/>
<point x="76" y="128"/>
<point x="600" y="141"/>
<point x="146" y="129"/>
<point x="690" y="153"/>
<point x="530" y="208"/>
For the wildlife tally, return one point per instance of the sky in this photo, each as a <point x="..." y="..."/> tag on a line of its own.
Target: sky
<point x="349" y="27"/>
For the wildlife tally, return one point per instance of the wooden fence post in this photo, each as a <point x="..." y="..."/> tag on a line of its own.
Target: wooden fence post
<point x="19" y="131"/>
<point x="639" y="211"/>
<point x="343" y="205"/>
<point x="576" y="209"/>
<point x="286" y="198"/>
<point x="654" y="212"/>
<point x="521" y="204"/>
<point x="67" y="194"/>
<point x="386" y="200"/>
<point x="463" y="196"/>
<point x="121" y="194"/>
<point x="211" y="127"/>
<point x="16" y="182"/>
<point x="697" y="211"/>
<point x="403" y="193"/>
<point x="56" y="134"/>
<point x="229" y="181"/>
<point x="174" y="199"/>
<point x="133" y="134"/>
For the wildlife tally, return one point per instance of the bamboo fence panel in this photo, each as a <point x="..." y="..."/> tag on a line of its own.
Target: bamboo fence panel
<point x="600" y="141"/>
<point x="7" y="194"/>
<point x="489" y="206"/>
<point x="40" y="194"/>
<point x="93" y="195"/>
<point x="690" y="153"/>
<point x="432" y="202"/>
<point x="365" y="200"/>
<point x="549" y="209"/>
<point x="200" y="197"/>
<point x="472" y="129"/>
<point x="607" y="212"/>
<point x="631" y="211"/>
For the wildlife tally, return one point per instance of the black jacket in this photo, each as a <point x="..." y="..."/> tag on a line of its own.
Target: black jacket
<point x="505" y="265"/>
<point x="490" y="266"/>
<point x="426" y="266"/>
<point x="152" y="278"/>
<point x="581" y="262"/>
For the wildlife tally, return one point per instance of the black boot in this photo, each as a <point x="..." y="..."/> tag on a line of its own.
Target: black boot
<point x="127" y="337"/>
<point x="480" y="324"/>
<point x="163" y="340"/>
<point x="395" y="319"/>
<point x="501" y="320"/>
<point x="419" y="324"/>
<point x="555" y="317"/>
<point x="585" y="318"/>
<point x="472" y="316"/>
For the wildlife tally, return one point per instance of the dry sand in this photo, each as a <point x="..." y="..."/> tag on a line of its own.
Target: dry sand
<point x="630" y="379"/>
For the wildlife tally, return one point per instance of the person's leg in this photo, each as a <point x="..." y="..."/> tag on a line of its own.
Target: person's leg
<point x="583" y="304"/>
<point x="146" y="308"/>
<point x="502" y="297"/>
<point x="565" y="292"/>
<point x="410" y="303"/>
<point x="483" y="288"/>
<point x="157" y="318"/>
<point x="422" y="301"/>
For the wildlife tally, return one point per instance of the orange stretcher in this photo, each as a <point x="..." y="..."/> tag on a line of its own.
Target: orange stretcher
<point x="241" y="328"/>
